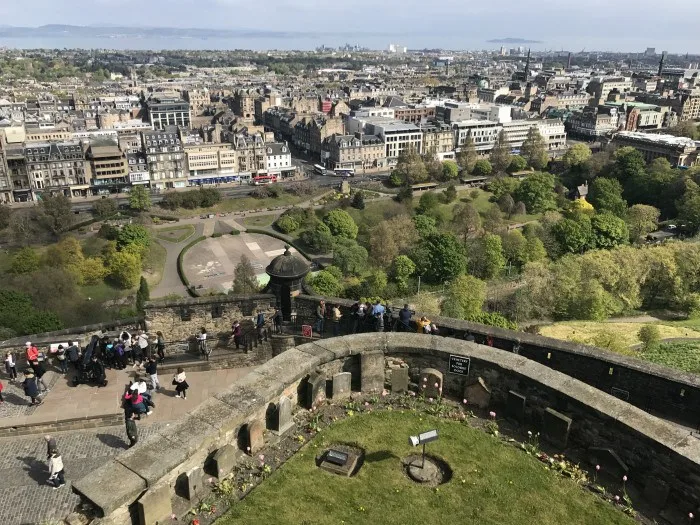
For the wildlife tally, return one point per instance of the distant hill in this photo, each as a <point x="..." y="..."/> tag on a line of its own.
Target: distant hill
<point x="512" y="40"/>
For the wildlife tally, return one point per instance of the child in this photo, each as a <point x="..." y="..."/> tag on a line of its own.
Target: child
<point x="11" y="366"/>
<point x="180" y="382"/>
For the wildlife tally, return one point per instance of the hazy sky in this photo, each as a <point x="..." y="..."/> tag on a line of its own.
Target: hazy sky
<point x="626" y="25"/>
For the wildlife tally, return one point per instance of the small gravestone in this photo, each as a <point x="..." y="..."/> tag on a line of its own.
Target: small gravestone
<point x="342" y="385"/>
<point x="515" y="406"/>
<point x="610" y="463"/>
<point x="431" y="383"/>
<point x="656" y="493"/>
<point x="315" y="390"/>
<point x="224" y="460"/>
<point x="399" y="380"/>
<point x="372" y="371"/>
<point x="256" y="438"/>
<point x="340" y="459"/>
<point x="190" y="483"/>
<point x="478" y="394"/>
<point x="285" y="422"/>
<point x="155" y="506"/>
<point x="555" y="428"/>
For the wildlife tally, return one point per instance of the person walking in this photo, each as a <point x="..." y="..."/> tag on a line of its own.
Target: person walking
<point x="143" y="347"/>
<point x="11" y="366"/>
<point x="152" y="371"/>
<point x="180" y="382"/>
<point x="30" y="388"/>
<point x="160" y="346"/>
<point x="61" y="358"/>
<point x="337" y="315"/>
<point x="50" y="446"/>
<point x="320" y="317"/>
<point x="56" y="470"/>
<point x="39" y="372"/>
<point x="132" y="431"/>
<point x="237" y="334"/>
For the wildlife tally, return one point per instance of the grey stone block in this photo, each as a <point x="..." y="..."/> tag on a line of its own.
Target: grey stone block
<point x="256" y="438"/>
<point x="285" y="421"/>
<point x="610" y="463"/>
<point x="399" y="380"/>
<point x="190" y="483"/>
<point x="110" y="486"/>
<point x="342" y="385"/>
<point x="315" y="390"/>
<point x="478" y="394"/>
<point x="515" y="406"/>
<point x="555" y="428"/>
<point x="224" y="460"/>
<point x="656" y="493"/>
<point x="155" y="506"/>
<point x="372" y="371"/>
<point x="149" y="460"/>
<point x="430" y="383"/>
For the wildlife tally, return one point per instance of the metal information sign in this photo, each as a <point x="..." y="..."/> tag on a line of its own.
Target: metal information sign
<point x="459" y="365"/>
<point x="306" y="330"/>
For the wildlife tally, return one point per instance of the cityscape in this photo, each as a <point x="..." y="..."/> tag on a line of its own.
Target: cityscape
<point x="361" y="264"/>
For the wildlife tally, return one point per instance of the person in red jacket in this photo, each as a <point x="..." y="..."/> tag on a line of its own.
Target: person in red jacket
<point x="32" y="352"/>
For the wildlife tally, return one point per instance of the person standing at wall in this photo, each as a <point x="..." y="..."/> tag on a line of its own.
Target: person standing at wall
<point x="337" y="316"/>
<point x="160" y="346"/>
<point x="277" y="320"/>
<point x="320" y="317"/>
<point x="11" y="366"/>
<point x="32" y="352"/>
<point x="237" y="334"/>
<point x="61" y="358"/>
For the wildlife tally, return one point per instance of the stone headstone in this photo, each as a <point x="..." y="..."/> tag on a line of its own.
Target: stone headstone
<point x="399" y="380"/>
<point x="284" y="415"/>
<point x="515" y="406"/>
<point x="315" y="390"/>
<point x="190" y="483"/>
<point x="256" y="436"/>
<point x="430" y="383"/>
<point x="555" y="428"/>
<point x="656" y="493"/>
<point x="610" y="463"/>
<point x="372" y="371"/>
<point x="155" y="506"/>
<point x="224" y="460"/>
<point x="342" y="385"/>
<point x="478" y="394"/>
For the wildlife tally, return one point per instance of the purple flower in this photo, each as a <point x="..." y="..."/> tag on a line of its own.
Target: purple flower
<point x="436" y="385"/>
<point x="464" y="401"/>
<point x="492" y="414"/>
<point x="597" y="467"/>
<point x="624" y="478"/>
<point x="691" y="515"/>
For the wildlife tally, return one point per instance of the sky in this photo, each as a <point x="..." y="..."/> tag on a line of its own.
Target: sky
<point x="606" y="25"/>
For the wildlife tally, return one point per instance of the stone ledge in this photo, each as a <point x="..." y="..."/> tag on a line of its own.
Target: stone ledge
<point x="110" y="486"/>
<point x="215" y="299"/>
<point x="34" y="424"/>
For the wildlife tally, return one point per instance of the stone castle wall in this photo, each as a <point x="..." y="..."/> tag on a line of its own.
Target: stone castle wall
<point x="656" y="452"/>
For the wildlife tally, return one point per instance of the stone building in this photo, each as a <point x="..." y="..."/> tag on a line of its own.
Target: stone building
<point x="439" y="138"/>
<point x="679" y="151"/>
<point x="593" y="121"/>
<point x="109" y="167"/>
<point x="57" y="168"/>
<point x="164" y="112"/>
<point x="310" y="132"/>
<point x="414" y="113"/>
<point x="359" y="152"/>
<point x="251" y="154"/>
<point x="166" y="158"/>
<point x="243" y="104"/>
<point x="198" y="99"/>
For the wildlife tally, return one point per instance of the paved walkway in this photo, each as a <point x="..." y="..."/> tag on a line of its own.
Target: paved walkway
<point x="25" y="497"/>
<point x="170" y="283"/>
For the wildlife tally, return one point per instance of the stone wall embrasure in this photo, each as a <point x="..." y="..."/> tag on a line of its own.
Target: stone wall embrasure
<point x="652" y="447"/>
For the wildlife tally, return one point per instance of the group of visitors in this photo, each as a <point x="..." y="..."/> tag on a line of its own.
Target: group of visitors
<point x="33" y="384"/>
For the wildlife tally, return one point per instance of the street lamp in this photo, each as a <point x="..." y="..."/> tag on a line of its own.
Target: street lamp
<point x="422" y="439"/>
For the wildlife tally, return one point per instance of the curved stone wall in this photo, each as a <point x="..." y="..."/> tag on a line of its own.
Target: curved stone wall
<point x="655" y="451"/>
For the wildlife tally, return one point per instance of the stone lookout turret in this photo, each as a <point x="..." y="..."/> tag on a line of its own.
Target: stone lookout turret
<point x="286" y="271"/>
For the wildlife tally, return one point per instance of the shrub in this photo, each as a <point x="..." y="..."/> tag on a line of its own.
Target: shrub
<point x="26" y="260"/>
<point x="133" y="234"/>
<point x="216" y="235"/>
<point x="109" y="232"/>
<point x="649" y="335"/>
<point x="287" y="224"/>
<point x="341" y="224"/>
<point x="482" y="167"/>
<point x="235" y="232"/>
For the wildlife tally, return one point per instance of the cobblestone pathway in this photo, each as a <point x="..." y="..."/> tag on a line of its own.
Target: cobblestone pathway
<point x="16" y="403"/>
<point x="25" y="496"/>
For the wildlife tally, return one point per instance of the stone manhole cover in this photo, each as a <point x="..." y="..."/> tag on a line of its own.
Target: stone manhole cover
<point x="341" y="459"/>
<point x="431" y="473"/>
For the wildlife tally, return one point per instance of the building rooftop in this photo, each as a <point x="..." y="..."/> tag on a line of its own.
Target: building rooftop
<point x="653" y="138"/>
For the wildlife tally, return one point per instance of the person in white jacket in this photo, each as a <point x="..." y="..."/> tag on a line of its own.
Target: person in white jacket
<point x="56" y="470"/>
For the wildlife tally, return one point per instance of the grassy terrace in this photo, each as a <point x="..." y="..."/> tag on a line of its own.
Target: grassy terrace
<point x="175" y="234"/>
<point x="492" y="483"/>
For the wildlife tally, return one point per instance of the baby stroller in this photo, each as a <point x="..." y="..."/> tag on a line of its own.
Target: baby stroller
<point x="89" y="371"/>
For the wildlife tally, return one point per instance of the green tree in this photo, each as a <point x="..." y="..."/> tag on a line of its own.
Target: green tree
<point x="445" y="257"/>
<point x="26" y="260"/>
<point x="649" y="335"/>
<point x="466" y="156"/>
<point x="628" y="162"/>
<point x="493" y="219"/>
<point x="450" y="194"/>
<point x="500" y="186"/>
<point x="287" y="224"/>
<point x="689" y="212"/>
<point x="482" y="168"/>
<point x="450" y="170"/>
<point x="577" y="156"/>
<point x="608" y="231"/>
<point x="409" y="169"/>
<point x="139" y="198"/>
<point x="425" y="225"/>
<point x="573" y="236"/>
<point x="506" y="204"/>
<point x="4" y="216"/>
<point x="104" y="208"/>
<point x="606" y="195"/>
<point x="500" y="156"/>
<point x="92" y="270"/>
<point x="349" y="256"/>
<point x="390" y="238"/>
<point x="125" y="269"/>
<point x="535" y="249"/>
<point x="537" y="192"/>
<point x="402" y="268"/>
<point x="134" y="235"/>
<point x="55" y="213"/>
<point x="641" y="220"/>
<point x="318" y="239"/>
<point x="244" y="279"/>
<point x="517" y="163"/>
<point x="19" y="315"/>
<point x="143" y="294"/>
<point x="534" y="149"/>
<point x="466" y="220"/>
<point x="358" y="200"/>
<point x="515" y="248"/>
<point x="341" y="224"/>
<point x="427" y="202"/>
<point x="326" y="284"/>
<point x="486" y="259"/>
<point x="375" y="283"/>
<point x="687" y="128"/>
<point x="465" y="298"/>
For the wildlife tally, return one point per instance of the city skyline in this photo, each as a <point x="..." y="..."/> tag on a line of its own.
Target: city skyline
<point x="597" y="25"/>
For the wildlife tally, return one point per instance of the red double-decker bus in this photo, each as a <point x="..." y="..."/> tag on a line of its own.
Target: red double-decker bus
<point x="259" y="180"/>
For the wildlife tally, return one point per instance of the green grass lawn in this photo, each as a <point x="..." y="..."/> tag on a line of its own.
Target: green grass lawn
<point x="175" y="234"/>
<point x="492" y="483"/>
<point x="154" y="263"/>
<point x="260" y="221"/>
<point x="682" y="356"/>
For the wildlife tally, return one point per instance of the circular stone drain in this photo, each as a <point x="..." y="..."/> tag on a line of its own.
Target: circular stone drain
<point x="434" y="472"/>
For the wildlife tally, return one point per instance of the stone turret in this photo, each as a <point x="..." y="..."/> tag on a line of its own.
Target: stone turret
<point x="287" y="272"/>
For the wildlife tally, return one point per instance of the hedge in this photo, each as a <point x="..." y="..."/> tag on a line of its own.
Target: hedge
<point x="180" y="270"/>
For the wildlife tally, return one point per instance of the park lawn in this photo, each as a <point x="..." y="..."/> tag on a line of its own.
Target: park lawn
<point x="681" y="356"/>
<point x="175" y="234"/>
<point x="154" y="263"/>
<point x="259" y="221"/>
<point x="492" y="483"/>
<point x="104" y="291"/>
<point x="626" y="333"/>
